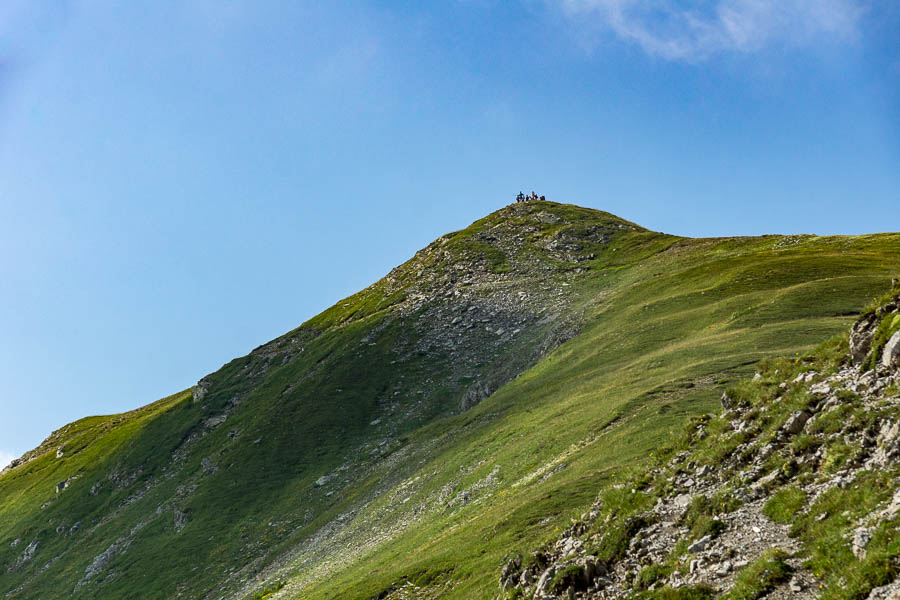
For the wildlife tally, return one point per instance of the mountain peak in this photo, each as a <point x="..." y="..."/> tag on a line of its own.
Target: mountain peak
<point x="454" y="412"/>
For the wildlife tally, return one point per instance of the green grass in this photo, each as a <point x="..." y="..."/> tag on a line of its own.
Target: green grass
<point x="698" y="592"/>
<point x="268" y="591"/>
<point x="825" y="531"/>
<point x="784" y="504"/>
<point x="570" y="577"/>
<point x="665" y="324"/>
<point x="761" y="576"/>
<point x="700" y="516"/>
<point x="650" y="575"/>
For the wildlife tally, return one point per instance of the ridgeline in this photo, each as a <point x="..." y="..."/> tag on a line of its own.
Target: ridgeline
<point x="425" y="436"/>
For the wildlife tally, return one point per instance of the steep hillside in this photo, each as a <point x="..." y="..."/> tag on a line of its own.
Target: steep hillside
<point x="792" y="491"/>
<point x="455" y="411"/>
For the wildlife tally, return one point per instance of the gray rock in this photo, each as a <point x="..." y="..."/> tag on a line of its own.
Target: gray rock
<point x="100" y="561"/>
<point x="726" y="402"/>
<point x="511" y="568"/>
<point x="887" y="444"/>
<point x="543" y="583"/>
<point x="861" y="337"/>
<point x="821" y="388"/>
<point x="198" y="392"/>
<point x="890" y="358"/>
<point x="767" y="480"/>
<point x="592" y="569"/>
<point x="208" y="465"/>
<point x="890" y="591"/>
<point x="181" y="519"/>
<point x="682" y="500"/>
<point x="213" y="422"/>
<point x="59" y="452"/>
<point x="861" y="538"/>
<point x="30" y="550"/>
<point x="474" y="395"/>
<point x="26" y="556"/>
<point x="64" y="484"/>
<point x="796" y="422"/>
<point x="893" y="508"/>
<point x="700" y="544"/>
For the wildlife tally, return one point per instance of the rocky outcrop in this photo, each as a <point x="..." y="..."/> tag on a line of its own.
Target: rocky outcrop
<point x="26" y="556"/>
<point x="861" y="337"/>
<point x="890" y="358"/>
<point x="875" y="337"/>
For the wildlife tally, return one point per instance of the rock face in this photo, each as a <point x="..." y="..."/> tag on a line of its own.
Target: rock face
<point x="861" y="337"/>
<point x="867" y="344"/>
<point x="890" y="358"/>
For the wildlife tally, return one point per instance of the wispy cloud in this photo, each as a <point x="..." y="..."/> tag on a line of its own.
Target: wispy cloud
<point x="697" y="29"/>
<point x="5" y="458"/>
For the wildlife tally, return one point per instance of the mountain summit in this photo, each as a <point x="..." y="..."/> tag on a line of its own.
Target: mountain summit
<point x="419" y="432"/>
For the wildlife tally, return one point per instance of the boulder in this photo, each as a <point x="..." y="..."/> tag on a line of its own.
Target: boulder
<point x="796" y="422"/>
<point x="64" y="484"/>
<point x="890" y="358"/>
<point x="726" y="402"/>
<point x="324" y="479"/>
<point x="700" y="544"/>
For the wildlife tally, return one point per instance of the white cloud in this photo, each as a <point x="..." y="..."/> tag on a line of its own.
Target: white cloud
<point x="5" y="458"/>
<point x="697" y="29"/>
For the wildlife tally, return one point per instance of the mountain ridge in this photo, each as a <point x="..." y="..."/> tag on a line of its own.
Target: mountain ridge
<point x="383" y="413"/>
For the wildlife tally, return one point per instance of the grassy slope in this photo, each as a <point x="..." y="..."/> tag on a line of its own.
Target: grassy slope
<point x="667" y="321"/>
<point x="662" y="345"/>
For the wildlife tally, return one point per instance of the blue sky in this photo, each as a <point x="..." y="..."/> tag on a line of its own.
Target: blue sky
<point x="183" y="181"/>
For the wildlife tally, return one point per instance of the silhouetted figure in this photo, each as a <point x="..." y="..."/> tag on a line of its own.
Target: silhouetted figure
<point x="520" y="197"/>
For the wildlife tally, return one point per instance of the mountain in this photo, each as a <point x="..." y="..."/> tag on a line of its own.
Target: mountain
<point x="421" y="432"/>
